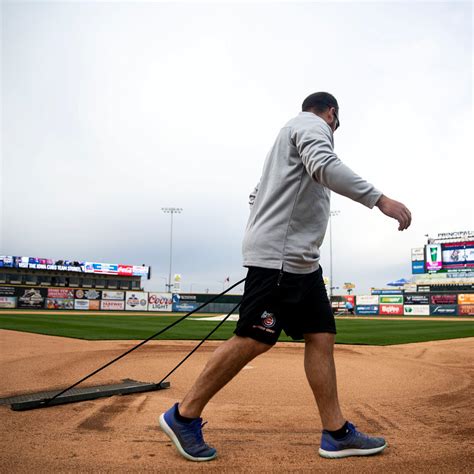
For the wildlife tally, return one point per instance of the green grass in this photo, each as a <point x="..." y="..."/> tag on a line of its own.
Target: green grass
<point x="134" y="327"/>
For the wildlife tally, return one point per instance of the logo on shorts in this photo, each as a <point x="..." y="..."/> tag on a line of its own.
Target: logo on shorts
<point x="268" y="319"/>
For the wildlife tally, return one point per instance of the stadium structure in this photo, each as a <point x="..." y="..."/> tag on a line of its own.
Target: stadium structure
<point x="442" y="284"/>
<point x="42" y="283"/>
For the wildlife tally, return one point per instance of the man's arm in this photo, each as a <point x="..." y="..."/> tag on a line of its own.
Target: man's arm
<point x="396" y="210"/>
<point x="316" y="150"/>
<point x="315" y="147"/>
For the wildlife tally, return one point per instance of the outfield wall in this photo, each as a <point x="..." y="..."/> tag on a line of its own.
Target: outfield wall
<point x="15" y="297"/>
<point x="81" y="299"/>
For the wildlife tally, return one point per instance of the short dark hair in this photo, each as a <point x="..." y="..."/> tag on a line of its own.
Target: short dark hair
<point x="320" y="101"/>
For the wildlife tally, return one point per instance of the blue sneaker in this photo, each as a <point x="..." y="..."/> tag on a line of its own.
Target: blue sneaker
<point x="354" y="443"/>
<point x="187" y="437"/>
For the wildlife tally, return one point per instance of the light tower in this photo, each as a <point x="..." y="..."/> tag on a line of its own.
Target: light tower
<point x="331" y="284"/>
<point x="171" y="210"/>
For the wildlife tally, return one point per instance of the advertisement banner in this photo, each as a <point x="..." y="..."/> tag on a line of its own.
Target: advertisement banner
<point x="160" y="302"/>
<point x="433" y="257"/>
<point x="416" y="299"/>
<point x="458" y="255"/>
<point x="338" y="305"/>
<point x="104" y="268"/>
<point x="424" y="288"/>
<point x="185" y="306"/>
<point x="466" y="298"/>
<point x="91" y="294"/>
<point x="136" y="301"/>
<point x="113" y="295"/>
<point x="417" y="255"/>
<point x="140" y="270"/>
<point x="367" y="309"/>
<point x="31" y="298"/>
<point x="391" y="309"/>
<point x="94" y="305"/>
<point x="82" y="305"/>
<point x="6" y="261"/>
<point x="417" y="310"/>
<point x="465" y="273"/>
<point x="350" y="299"/>
<point x="417" y="268"/>
<point x="125" y="270"/>
<point x="111" y="305"/>
<point x="7" y="291"/>
<point x="386" y="292"/>
<point x="409" y="287"/>
<point x="91" y="305"/>
<point x="367" y="300"/>
<point x="8" y="302"/>
<point x="444" y="309"/>
<point x="37" y="263"/>
<point x="59" y="303"/>
<point x="395" y="299"/>
<point x="60" y="293"/>
<point x="444" y="299"/>
<point x="466" y="309"/>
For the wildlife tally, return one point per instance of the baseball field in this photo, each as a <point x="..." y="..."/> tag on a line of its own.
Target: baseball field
<point x="138" y="326"/>
<point x="410" y="381"/>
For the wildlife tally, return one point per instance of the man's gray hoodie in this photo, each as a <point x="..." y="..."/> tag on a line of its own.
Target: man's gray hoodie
<point x="290" y="205"/>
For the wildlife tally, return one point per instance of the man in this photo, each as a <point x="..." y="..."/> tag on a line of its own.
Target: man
<point x="284" y="288"/>
<point x="350" y="307"/>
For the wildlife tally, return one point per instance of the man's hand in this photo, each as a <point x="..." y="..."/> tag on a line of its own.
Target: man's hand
<point x="396" y="210"/>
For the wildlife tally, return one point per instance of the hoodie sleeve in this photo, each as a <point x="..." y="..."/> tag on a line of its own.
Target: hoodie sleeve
<point x="253" y="195"/>
<point x="315" y="146"/>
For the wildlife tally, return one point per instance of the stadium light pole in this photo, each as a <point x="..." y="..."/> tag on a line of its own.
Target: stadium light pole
<point x="172" y="211"/>
<point x="331" y="283"/>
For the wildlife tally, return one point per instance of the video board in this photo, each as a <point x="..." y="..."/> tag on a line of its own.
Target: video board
<point x="458" y="254"/>
<point x="36" y="263"/>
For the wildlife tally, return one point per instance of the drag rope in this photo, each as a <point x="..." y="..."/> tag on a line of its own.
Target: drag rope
<point x="47" y="401"/>
<point x="200" y="344"/>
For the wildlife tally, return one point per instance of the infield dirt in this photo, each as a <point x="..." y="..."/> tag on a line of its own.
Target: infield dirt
<point x="418" y="396"/>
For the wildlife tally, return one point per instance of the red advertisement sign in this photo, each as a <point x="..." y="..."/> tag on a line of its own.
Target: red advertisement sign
<point x="350" y="299"/>
<point x="126" y="270"/>
<point x="60" y="293"/>
<point x="444" y="299"/>
<point x="391" y="309"/>
<point x="466" y="309"/>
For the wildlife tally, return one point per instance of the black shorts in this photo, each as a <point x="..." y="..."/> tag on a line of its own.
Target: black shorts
<point x="275" y="300"/>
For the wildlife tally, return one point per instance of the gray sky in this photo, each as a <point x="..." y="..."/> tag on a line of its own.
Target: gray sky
<point x="111" y="111"/>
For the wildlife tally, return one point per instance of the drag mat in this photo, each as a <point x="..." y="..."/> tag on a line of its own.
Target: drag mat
<point x="419" y="396"/>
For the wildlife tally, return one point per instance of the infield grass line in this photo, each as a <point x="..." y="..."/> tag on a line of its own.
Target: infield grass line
<point x="121" y="327"/>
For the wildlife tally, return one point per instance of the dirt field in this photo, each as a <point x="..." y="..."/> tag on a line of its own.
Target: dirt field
<point x="419" y="396"/>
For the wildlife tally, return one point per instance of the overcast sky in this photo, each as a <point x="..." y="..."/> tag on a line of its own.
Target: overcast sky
<point x="111" y="111"/>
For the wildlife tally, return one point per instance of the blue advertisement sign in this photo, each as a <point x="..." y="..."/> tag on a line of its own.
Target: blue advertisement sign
<point x="444" y="309"/>
<point x="185" y="306"/>
<point x="6" y="261"/>
<point x="367" y="309"/>
<point x="417" y="268"/>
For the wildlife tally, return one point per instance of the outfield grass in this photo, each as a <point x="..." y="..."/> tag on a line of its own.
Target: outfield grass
<point x="134" y="327"/>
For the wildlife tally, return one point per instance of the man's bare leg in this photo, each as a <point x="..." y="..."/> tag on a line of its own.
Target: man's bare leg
<point x="226" y="362"/>
<point x="321" y="374"/>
